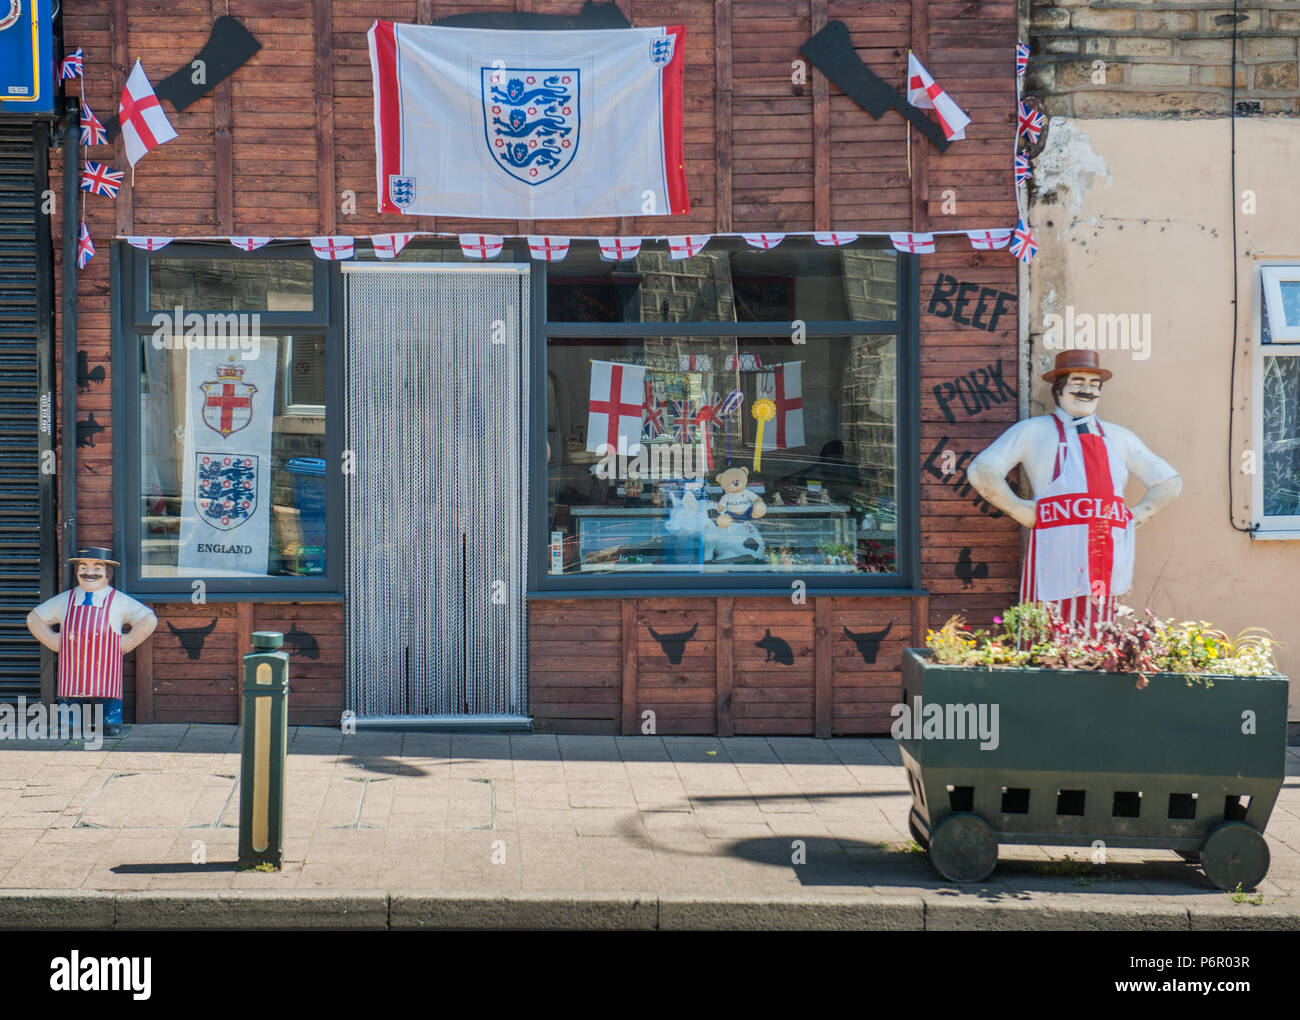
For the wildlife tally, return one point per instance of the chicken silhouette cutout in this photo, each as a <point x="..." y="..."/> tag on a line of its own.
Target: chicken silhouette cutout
<point x="967" y="570"/>
<point x="87" y="375"/>
<point x="868" y="641"/>
<point x="674" y="645"/>
<point x="777" y="649"/>
<point x="302" y="643"/>
<point x="193" y="638"/>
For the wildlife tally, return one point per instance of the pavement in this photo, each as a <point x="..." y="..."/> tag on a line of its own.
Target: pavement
<point x="392" y="830"/>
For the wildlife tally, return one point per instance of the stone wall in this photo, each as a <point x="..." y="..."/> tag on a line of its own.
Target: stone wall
<point x="1165" y="58"/>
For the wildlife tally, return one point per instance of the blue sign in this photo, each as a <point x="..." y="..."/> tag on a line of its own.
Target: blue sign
<point x="28" y="83"/>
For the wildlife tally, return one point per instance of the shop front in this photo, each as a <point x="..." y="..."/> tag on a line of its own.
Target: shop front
<point x="688" y="473"/>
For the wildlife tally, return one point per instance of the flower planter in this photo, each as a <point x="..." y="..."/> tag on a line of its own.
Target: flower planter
<point x="1084" y="756"/>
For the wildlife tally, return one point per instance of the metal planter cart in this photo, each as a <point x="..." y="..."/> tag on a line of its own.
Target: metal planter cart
<point x="1084" y="756"/>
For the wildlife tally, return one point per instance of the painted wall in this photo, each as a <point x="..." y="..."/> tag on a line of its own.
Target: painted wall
<point x="1135" y="216"/>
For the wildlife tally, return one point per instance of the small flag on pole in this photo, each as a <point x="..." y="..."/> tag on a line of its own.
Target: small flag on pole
<point x="92" y="131"/>
<point x="1023" y="170"/>
<point x="1023" y="245"/>
<point x="85" y="247"/>
<point x="925" y="93"/>
<point x="1031" y="123"/>
<point x="72" y="65"/>
<point x="1022" y="59"/>
<point x="100" y="179"/>
<point x="144" y="125"/>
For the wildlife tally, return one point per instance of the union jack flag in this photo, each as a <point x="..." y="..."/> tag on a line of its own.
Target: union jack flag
<point x="71" y="66"/>
<point x="1023" y="245"/>
<point x="92" y="131"/>
<point x="101" y="179"/>
<point x="685" y="422"/>
<point x="1031" y="123"/>
<point x="85" y="247"/>
<point x="652" y="413"/>
<point x="1022" y="59"/>
<point x="1023" y="170"/>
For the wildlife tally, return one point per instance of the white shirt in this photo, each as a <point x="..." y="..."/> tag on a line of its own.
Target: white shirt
<point x="125" y="610"/>
<point x="1032" y="443"/>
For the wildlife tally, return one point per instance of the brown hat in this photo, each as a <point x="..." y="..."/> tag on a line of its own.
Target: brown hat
<point x="1076" y="361"/>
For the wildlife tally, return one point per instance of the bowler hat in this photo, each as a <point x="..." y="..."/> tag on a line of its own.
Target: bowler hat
<point x="95" y="553"/>
<point x="1076" y="361"/>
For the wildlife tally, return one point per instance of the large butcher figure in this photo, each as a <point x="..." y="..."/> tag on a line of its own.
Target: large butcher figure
<point x="1080" y="551"/>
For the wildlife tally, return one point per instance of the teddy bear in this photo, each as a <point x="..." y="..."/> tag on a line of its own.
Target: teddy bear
<point x="737" y="501"/>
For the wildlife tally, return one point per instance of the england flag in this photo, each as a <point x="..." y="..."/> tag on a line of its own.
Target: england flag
<point x="614" y="410"/>
<point x="784" y="387"/>
<point x="144" y="124"/>
<point x="529" y="125"/>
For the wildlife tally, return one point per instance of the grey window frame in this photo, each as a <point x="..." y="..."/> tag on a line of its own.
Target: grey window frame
<point x="907" y="581"/>
<point x="129" y="274"/>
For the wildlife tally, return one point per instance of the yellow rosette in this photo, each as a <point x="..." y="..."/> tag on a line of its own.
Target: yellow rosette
<point x="763" y="411"/>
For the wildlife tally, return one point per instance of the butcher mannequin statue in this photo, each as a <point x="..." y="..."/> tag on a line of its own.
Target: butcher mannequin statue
<point x="97" y="626"/>
<point x="1080" y="550"/>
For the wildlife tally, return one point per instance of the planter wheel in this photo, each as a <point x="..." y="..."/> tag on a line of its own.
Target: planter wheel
<point x="1235" y="854"/>
<point x="917" y="834"/>
<point x="963" y="848"/>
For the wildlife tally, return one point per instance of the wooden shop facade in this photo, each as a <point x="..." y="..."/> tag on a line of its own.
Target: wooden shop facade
<point x="443" y="543"/>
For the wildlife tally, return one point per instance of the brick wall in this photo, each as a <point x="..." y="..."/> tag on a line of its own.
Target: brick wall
<point x="1163" y="59"/>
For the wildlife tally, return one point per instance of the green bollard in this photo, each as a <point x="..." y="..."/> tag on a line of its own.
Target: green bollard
<point x="261" y="772"/>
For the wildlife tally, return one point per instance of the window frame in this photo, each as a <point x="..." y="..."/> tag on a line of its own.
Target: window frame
<point x="907" y="581"/>
<point x="132" y="316"/>
<point x="1275" y="526"/>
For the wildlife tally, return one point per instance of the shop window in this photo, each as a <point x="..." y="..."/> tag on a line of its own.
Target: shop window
<point x="685" y="482"/>
<point x="1277" y="402"/>
<point x="231" y="396"/>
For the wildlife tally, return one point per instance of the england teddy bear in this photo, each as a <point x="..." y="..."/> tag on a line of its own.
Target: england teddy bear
<point x="737" y="501"/>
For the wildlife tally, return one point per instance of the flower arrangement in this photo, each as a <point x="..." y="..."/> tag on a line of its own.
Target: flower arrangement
<point x="1033" y="634"/>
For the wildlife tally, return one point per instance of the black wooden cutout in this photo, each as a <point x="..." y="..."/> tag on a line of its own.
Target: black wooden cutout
<point x="868" y="641"/>
<point x="674" y="645"/>
<point x="193" y="638"/>
<point x="967" y="570"/>
<point x="831" y="52"/>
<point x="302" y="643"/>
<point x="778" y="650"/>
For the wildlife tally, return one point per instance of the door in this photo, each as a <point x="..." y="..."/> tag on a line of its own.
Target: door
<point x="437" y="433"/>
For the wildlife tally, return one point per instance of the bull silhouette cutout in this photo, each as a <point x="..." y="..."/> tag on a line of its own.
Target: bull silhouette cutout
<point x="868" y="641"/>
<point x="302" y="643"/>
<point x="777" y="649"/>
<point x="192" y="639"/>
<point x="674" y="645"/>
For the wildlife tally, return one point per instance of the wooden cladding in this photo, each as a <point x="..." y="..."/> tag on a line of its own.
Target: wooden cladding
<point x="719" y="665"/>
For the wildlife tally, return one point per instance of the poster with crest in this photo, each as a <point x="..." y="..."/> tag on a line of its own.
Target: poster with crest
<point x="226" y="512"/>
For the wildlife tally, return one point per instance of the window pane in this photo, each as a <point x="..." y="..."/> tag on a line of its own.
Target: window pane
<point x="817" y="498"/>
<point x="1290" y="290"/>
<point x="726" y="284"/>
<point x="234" y="284"/>
<point x="232" y="476"/>
<point x="1281" y="436"/>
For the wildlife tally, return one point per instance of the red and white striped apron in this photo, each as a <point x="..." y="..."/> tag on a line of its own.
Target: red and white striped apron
<point x="1080" y="552"/>
<point x="90" y="651"/>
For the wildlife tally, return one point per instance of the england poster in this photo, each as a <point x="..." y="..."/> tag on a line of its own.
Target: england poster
<point x="226" y="512"/>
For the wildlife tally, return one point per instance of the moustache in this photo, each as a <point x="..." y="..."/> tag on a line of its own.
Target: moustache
<point x="1084" y="395"/>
